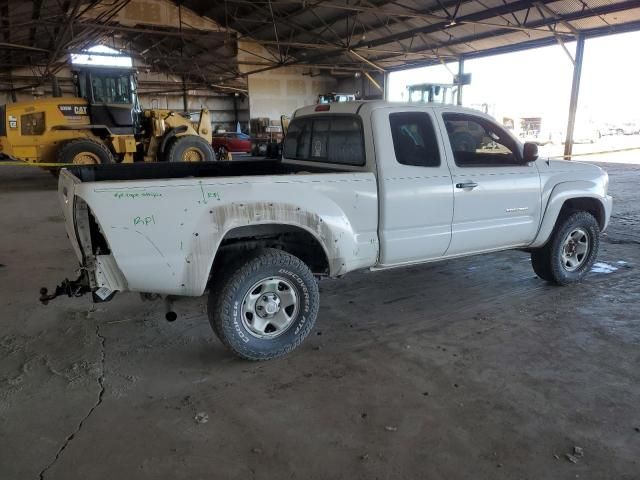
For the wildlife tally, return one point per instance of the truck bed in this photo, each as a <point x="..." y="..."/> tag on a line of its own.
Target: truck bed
<point x="152" y="171"/>
<point x="157" y="227"/>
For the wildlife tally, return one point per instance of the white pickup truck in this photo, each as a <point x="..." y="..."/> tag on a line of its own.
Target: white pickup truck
<point x="361" y="185"/>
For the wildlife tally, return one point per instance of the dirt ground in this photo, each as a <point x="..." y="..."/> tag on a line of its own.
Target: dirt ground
<point x="466" y="369"/>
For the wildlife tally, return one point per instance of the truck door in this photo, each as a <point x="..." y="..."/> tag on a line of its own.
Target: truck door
<point x="496" y="196"/>
<point x="414" y="184"/>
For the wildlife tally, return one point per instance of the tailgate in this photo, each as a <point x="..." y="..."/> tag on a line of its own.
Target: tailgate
<point x="66" y="192"/>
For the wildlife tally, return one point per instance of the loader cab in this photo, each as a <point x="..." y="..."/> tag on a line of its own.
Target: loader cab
<point x="111" y="94"/>
<point x="433" y="93"/>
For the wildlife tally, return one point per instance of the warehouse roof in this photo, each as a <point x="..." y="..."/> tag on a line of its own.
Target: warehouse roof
<point x="398" y="34"/>
<point x="334" y="35"/>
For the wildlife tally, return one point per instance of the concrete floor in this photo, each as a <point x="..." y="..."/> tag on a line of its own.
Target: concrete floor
<point x="472" y="368"/>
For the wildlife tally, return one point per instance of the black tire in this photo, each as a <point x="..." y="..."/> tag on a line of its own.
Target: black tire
<point x="227" y="304"/>
<point x="548" y="262"/>
<point x="181" y="146"/>
<point x="94" y="149"/>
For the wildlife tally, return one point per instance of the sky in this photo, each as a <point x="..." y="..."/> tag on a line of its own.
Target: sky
<point x="109" y="57"/>
<point x="538" y="82"/>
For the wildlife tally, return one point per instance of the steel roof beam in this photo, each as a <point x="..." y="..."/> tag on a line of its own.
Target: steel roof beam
<point x="603" y="10"/>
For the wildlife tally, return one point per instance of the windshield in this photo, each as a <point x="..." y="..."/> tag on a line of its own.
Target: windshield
<point x="112" y="88"/>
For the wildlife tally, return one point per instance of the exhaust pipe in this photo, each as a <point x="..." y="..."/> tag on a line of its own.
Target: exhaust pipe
<point x="55" y="87"/>
<point x="170" y="316"/>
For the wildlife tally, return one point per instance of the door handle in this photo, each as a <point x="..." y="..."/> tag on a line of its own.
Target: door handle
<point x="466" y="185"/>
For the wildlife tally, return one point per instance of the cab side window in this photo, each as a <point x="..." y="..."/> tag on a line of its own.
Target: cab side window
<point x="32" y="124"/>
<point x="414" y="139"/>
<point x="477" y="142"/>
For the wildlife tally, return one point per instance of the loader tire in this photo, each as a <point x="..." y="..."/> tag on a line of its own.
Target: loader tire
<point x="85" y="151"/>
<point x="190" y="148"/>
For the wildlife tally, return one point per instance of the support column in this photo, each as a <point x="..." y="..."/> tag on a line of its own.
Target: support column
<point x="385" y="86"/>
<point x="55" y="87"/>
<point x="235" y="111"/>
<point x="460" y="73"/>
<point x="185" y="93"/>
<point x="573" y="103"/>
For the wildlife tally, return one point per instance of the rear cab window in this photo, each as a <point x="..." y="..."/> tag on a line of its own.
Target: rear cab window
<point x="336" y="139"/>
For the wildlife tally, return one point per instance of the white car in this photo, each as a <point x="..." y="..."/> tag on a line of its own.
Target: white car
<point x="361" y="185"/>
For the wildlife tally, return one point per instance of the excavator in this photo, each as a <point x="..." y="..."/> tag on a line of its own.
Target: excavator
<point x="102" y="124"/>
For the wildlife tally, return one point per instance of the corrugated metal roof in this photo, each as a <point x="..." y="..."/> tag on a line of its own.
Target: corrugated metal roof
<point x="335" y="34"/>
<point x="466" y="28"/>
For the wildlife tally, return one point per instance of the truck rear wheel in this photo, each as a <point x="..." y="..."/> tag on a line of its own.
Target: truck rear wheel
<point x="266" y="307"/>
<point x="190" y="148"/>
<point x="570" y="252"/>
<point x="84" y="151"/>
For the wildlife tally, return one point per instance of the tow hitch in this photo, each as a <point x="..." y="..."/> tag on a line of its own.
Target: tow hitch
<point x="70" y="288"/>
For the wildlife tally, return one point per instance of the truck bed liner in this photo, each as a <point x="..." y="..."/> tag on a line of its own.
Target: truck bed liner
<point x="150" y="171"/>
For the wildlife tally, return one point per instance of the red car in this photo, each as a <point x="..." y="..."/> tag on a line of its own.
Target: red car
<point x="231" y="142"/>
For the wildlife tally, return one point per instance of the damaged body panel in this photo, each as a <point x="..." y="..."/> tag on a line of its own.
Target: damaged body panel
<point x="164" y="238"/>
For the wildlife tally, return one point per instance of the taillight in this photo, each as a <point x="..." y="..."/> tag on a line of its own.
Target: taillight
<point x="323" y="108"/>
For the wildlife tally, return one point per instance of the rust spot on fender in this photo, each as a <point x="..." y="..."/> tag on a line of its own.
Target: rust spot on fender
<point x="233" y="215"/>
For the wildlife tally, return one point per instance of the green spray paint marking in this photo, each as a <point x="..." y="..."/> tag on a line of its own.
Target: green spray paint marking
<point x="135" y="195"/>
<point x="144" y="221"/>
<point x="204" y="197"/>
<point x="207" y="195"/>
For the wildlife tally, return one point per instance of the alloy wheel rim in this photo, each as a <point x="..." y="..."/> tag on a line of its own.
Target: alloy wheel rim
<point x="270" y="307"/>
<point x="192" y="155"/>
<point x="86" y="158"/>
<point x="575" y="249"/>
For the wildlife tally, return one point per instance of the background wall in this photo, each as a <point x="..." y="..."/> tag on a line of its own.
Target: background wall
<point x="280" y="92"/>
<point x="363" y="85"/>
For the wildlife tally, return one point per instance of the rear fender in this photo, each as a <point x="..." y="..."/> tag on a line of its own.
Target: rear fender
<point x="334" y="233"/>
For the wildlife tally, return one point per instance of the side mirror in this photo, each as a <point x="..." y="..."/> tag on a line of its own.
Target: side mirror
<point x="530" y="152"/>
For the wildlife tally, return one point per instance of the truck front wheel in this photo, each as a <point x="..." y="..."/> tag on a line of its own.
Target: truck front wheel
<point x="266" y="305"/>
<point x="570" y="252"/>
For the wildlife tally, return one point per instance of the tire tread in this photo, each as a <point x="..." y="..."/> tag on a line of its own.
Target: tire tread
<point x="221" y="299"/>
<point x="70" y="144"/>
<point x="544" y="260"/>
<point x="179" y="141"/>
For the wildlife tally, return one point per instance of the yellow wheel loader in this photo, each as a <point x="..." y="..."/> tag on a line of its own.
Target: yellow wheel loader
<point x="103" y="124"/>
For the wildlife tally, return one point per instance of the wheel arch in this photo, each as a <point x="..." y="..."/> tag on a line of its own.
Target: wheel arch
<point x="567" y="198"/>
<point x="294" y="239"/>
<point x="584" y="204"/>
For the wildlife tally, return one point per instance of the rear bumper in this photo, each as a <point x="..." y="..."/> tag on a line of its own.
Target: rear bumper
<point x="66" y="193"/>
<point x="99" y="273"/>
